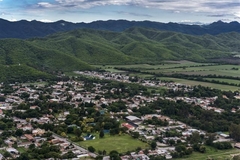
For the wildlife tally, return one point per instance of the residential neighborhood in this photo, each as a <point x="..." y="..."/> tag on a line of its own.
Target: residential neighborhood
<point x="62" y="115"/>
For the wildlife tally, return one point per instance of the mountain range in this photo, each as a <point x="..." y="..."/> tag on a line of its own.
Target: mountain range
<point x="78" y="48"/>
<point x="29" y="29"/>
<point x="33" y="50"/>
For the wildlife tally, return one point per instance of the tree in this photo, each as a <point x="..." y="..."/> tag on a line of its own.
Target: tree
<point x="234" y="131"/>
<point x="195" y="138"/>
<point x="101" y="134"/>
<point x="31" y="146"/>
<point x="91" y="149"/>
<point x="99" y="158"/>
<point x="19" y="132"/>
<point x="171" y="142"/>
<point x="237" y="157"/>
<point x="78" y="132"/>
<point x="63" y="134"/>
<point x="202" y="149"/>
<point x="6" y="154"/>
<point x="69" y="155"/>
<point x="114" y="155"/>
<point x="210" y="139"/>
<point x="2" y="99"/>
<point x="23" y="156"/>
<point x="135" y="134"/>
<point x="153" y="145"/>
<point x="104" y="152"/>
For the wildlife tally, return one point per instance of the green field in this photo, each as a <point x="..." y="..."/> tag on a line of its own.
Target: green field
<point x="213" y="154"/>
<point x="224" y="80"/>
<point x="223" y="70"/>
<point x="187" y="68"/>
<point x="206" y="84"/>
<point x="164" y="65"/>
<point x="120" y="143"/>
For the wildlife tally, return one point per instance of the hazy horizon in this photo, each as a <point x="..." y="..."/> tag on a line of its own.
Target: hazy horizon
<point x="179" y="11"/>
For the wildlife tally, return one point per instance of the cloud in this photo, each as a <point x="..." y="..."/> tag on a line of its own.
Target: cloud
<point x="210" y="8"/>
<point x="218" y="15"/>
<point x="173" y="5"/>
<point x="45" y="20"/>
<point x="45" y="5"/>
<point x="134" y="14"/>
<point x="91" y="3"/>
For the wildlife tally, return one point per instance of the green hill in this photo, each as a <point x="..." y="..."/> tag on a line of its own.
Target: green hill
<point x="138" y="45"/>
<point x="78" y="49"/>
<point x="21" y="73"/>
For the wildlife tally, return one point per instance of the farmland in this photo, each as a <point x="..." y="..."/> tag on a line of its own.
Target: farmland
<point x="212" y="153"/>
<point x="218" y="76"/>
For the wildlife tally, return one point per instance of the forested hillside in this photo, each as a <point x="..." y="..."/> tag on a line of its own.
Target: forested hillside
<point x="29" y="29"/>
<point x="79" y="49"/>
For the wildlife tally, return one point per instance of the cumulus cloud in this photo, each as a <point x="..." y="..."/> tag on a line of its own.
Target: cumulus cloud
<point x="173" y="5"/>
<point x="90" y="3"/>
<point x="210" y="8"/>
<point x="45" y="5"/>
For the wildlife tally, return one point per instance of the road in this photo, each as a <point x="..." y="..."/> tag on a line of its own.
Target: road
<point x="74" y="144"/>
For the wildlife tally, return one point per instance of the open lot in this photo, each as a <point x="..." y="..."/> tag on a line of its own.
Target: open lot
<point x="120" y="143"/>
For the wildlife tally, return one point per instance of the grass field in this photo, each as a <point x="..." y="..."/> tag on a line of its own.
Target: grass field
<point x="206" y="84"/>
<point x="164" y="65"/>
<point x="187" y="68"/>
<point x="213" y="154"/>
<point x="224" y="80"/>
<point x="223" y="70"/>
<point x="121" y="143"/>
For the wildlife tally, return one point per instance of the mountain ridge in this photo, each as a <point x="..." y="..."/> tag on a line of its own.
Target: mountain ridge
<point x="81" y="48"/>
<point x="29" y="29"/>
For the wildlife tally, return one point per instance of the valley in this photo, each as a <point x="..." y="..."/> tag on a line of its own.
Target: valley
<point x="131" y="92"/>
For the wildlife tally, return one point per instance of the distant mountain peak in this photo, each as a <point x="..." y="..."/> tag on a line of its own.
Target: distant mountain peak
<point x="28" y="29"/>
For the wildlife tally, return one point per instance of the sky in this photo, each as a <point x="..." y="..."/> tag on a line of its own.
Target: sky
<point x="180" y="11"/>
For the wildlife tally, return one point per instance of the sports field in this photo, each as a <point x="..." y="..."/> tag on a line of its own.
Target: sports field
<point x="121" y="143"/>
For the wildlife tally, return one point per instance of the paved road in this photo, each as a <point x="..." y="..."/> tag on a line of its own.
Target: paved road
<point x="74" y="144"/>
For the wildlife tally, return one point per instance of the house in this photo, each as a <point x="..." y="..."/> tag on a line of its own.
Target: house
<point x="55" y="141"/>
<point x="1" y="114"/>
<point x="128" y="126"/>
<point x="133" y="120"/>
<point x="29" y="137"/>
<point x="38" y="131"/>
<point x="237" y="145"/>
<point x="12" y="150"/>
<point x="168" y="156"/>
<point x="34" y="107"/>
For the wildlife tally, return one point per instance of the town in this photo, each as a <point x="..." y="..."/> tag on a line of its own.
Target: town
<point x="57" y="119"/>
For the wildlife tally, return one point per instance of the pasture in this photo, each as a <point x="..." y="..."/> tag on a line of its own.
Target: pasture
<point x="212" y="153"/>
<point x="205" y="84"/>
<point x="186" y="68"/>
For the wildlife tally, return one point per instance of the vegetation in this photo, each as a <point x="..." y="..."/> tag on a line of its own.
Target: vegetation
<point x="218" y="76"/>
<point x="75" y="50"/>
